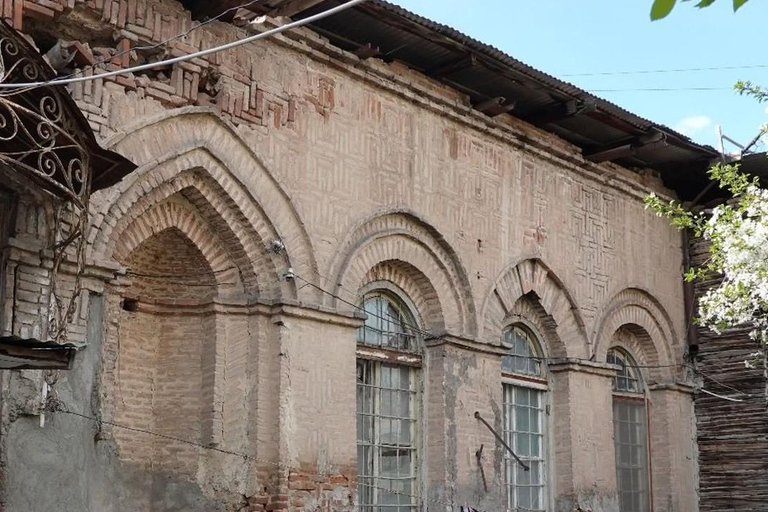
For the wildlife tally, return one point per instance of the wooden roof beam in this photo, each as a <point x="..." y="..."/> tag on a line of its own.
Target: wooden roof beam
<point x="560" y="111"/>
<point x="448" y="68"/>
<point x="291" y="8"/>
<point x="495" y="106"/>
<point x="367" y="51"/>
<point x="623" y="149"/>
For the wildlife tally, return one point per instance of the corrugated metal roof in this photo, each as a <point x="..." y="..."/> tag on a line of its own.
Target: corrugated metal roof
<point x="429" y="47"/>
<point x="19" y="353"/>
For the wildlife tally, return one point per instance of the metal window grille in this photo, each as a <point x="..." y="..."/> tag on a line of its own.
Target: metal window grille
<point x="386" y="436"/>
<point x="629" y="425"/>
<point x="522" y="358"/>
<point x="524" y="431"/>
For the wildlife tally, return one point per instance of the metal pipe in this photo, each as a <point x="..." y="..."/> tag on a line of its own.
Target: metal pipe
<point x="501" y="440"/>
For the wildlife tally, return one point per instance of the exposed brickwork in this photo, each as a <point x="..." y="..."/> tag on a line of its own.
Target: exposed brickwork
<point x="364" y="172"/>
<point x="160" y="372"/>
<point x="531" y="276"/>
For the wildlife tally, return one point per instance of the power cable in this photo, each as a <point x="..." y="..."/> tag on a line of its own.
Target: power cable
<point x="665" y="89"/>
<point x="432" y="335"/>
<point x="423" y="332"/>
<point x="655" y="71"/>
<point x="155" y="46"/>
<point x="58" y="408"/>
<point x="196" y="55"/>
<point x="106" y="59"/>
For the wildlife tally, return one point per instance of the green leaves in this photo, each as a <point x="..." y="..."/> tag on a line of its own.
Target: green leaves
<point x="661" y="8"/>
<point x="736" y="4"/>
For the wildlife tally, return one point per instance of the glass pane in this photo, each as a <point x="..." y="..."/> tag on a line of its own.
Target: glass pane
<point x="405" y="432"/>
<point x="389" y="324"/>
<point x="386" y="444"/>
<point x="630" y="447"/>
<point x="536" y="442"/>
<point x="523" y="445"/>
<point x="521" y="419"/>
<point x="523" y="410"/>
<point x="628" y="378"/>
<point x="523" y="357"/>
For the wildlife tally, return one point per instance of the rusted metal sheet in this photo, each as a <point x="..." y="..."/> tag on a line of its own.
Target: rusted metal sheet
<point x="20" y="354"/>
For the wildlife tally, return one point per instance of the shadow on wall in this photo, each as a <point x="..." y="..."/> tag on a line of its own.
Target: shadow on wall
<point x="74" y="446"/>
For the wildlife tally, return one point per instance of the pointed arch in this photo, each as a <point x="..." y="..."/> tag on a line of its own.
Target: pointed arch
<point x="193" y="139"/>
<point x="651" y="332"/>
<point x="175" y="215"/>
<point x="533" y="281"/>
<point x="403" y="246"/>
<point x="206" y="201"/>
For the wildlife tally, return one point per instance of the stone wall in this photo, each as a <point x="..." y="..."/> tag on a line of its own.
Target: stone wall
<point x="365" y="172"/>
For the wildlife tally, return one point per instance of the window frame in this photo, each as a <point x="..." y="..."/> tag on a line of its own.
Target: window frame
<point x="540" y="384"/>
<point x="378" y="357"/>
<point x="639" y="397"/>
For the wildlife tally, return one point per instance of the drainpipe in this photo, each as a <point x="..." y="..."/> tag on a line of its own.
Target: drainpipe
<point x="692" y="334"/>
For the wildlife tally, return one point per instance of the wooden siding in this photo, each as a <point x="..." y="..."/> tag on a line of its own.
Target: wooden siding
<point x="732" y="436"/>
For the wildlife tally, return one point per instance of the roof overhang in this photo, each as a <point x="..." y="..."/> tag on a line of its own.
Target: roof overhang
<point x="44" y="137"/>
<point x="496" y="83"/>
<point x="30" y="354"/>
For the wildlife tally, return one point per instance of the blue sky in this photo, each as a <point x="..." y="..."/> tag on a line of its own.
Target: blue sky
<point x="567" y="37"/>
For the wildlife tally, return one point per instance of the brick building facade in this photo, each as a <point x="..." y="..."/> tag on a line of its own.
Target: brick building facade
<point x="286" y="186"/>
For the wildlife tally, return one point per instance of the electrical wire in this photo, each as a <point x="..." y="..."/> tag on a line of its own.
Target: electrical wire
<point x="58" y="408"/>
<point x="580" y="359"/>
<point x="673" y="70"/>
<point x="414" y="328"/>
<point x="196" y="55"/>
<point x="706" y="392"/>
<point x="103" y="60"/>
<point x="665" y="89"/>
<point x="155" y="46"/>
<point x="434" y="336"/>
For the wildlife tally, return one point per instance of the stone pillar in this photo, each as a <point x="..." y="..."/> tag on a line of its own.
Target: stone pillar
<point x="672" y="429"/>
<point x="462" y="377"/>
<point x="584" y="465"/>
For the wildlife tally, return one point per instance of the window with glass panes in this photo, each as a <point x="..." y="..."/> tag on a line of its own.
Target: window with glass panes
<point x="524" y="427"/>
<point x="630" y="434"/>
<point x="387" y="409"/>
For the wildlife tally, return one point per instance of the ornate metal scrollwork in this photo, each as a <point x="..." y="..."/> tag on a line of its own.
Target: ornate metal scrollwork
<point x="40" y="136"/>
<point x="47" y="143"/>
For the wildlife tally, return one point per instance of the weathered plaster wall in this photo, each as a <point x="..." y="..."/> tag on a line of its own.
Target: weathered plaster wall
<point x="366" y="172"/>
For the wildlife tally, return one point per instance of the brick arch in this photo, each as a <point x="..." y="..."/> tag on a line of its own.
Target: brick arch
<point x="177" y="214"/>
<point x="190" y="138"/>
<point x="531" y="278"/>
<point x="402" y="237"/>
<point x="637" y="342"/>
<point x="416" y="286"/>
<point x="241" y="231"/>
<point x="529" y="311"/>
<point x="639" y="312"/>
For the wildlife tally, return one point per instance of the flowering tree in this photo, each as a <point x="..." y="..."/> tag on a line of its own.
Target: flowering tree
<point x="738" y="235"/>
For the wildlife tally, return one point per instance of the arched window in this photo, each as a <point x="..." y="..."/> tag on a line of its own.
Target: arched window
<point x="387" y="405"/>
<point x="630" y="433"/>
<point x="525" y="411"/>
